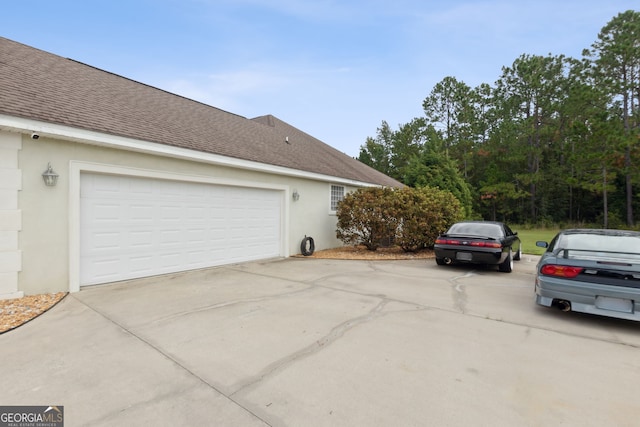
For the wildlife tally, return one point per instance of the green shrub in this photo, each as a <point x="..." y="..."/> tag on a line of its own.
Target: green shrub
<point x="366" y="216"/>
<point x="412" y="217"/>
<point x="424" y="213"/>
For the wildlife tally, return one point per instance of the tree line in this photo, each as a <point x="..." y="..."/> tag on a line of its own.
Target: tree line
<point x="555" y="140"/>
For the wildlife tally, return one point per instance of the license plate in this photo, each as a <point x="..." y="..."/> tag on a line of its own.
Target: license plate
<point x="464" y="256"/>
<point x="614" y="304"/>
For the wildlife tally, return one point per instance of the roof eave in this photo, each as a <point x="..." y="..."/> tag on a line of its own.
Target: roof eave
<point x="83" y="136"/>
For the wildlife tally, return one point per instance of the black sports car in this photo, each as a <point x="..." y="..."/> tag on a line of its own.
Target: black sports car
<point x="479" y="242"/>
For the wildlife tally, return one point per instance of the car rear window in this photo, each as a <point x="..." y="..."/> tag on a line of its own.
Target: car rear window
<point x="474" y="229"/>
<point x="628" y="245"/>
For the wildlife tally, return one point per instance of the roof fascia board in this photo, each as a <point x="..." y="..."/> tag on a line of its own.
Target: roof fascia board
<point x="83" y="136"/>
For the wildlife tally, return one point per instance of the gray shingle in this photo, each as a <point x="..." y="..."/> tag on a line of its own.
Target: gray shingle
<point x="42" y="86"/>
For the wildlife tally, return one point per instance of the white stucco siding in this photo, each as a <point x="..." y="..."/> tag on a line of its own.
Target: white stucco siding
<point x="49" y="238"/>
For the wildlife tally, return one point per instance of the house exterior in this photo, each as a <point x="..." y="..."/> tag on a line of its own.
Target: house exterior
<point x="149" y="182"/>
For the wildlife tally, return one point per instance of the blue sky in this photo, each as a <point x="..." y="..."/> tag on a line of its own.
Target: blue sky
<point x="332" y="68"/>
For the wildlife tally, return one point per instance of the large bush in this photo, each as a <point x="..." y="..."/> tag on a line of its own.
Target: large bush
<point x="412" y="217"/>
<point x="424" y="213"/>
<point x="365" y="217"/>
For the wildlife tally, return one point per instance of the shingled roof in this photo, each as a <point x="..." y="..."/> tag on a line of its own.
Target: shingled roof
<point x="45" y="87"/>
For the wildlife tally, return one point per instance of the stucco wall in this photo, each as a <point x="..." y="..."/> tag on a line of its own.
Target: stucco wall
<point x="45" y="235"/>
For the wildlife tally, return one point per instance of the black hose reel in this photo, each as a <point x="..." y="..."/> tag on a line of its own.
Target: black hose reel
<point x="307" y="246"/>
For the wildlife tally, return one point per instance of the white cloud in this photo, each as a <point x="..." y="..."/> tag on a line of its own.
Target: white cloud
<point x="250" y="90"/>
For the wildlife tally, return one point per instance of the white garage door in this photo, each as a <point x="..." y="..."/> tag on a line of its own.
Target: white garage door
<point x="136" y="227"/>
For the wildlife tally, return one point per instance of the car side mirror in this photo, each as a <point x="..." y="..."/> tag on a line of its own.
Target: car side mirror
<point x="542" y="244"/>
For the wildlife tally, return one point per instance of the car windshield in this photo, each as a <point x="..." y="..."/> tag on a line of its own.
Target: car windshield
<point x="619" y="246"/>
<point x="476" y="229"/>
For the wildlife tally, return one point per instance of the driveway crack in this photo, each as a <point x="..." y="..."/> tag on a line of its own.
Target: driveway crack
<point x="334" y="334"/>
<point x="170" y="358"/>
<point x="230" y="303"/>
<point x="459" y="292"/>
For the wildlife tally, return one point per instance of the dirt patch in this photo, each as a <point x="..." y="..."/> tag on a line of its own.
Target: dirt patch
<point x="18" y="311"/>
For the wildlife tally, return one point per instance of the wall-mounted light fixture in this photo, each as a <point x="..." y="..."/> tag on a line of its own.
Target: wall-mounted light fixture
<point x="295" y="195"/>
<point x="49" y="176"/>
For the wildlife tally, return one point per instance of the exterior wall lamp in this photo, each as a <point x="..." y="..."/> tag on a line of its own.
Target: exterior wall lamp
<point x="295" y="195"/>
<point x="50" y="177"/>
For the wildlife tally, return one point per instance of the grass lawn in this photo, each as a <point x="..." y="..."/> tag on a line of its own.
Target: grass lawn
<point x="531" y="236"/>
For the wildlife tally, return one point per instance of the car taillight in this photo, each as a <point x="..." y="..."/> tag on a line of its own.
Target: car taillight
<point x="469" y="243"/>
<point x="447" y="242"/>
<point x="560" y="270"/>
<point x="486" y="244"/>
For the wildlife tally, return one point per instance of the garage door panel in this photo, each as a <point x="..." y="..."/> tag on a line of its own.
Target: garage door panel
<point x="106" y="241"/>
<point x="141" y="264"/>
<point x="140" y="213"/>
<point x="195" y="237"/>
<point x="106" y="268"/>
<point x="196" y="213"/>
<point x="170" y="259"/>
<point x="139" y="240"/>
<point x="106" y="212"/>
<point x="196" y="257"/>
<point x="170" y="238"/>
<point x="134" y="227"/>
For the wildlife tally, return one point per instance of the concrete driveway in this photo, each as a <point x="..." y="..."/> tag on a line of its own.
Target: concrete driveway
<point x="310" y="342"/>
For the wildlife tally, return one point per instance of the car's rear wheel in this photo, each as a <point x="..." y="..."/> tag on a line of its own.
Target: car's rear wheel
<point x="507" y="264"/>
<point x="440" y="261"/>
<point x="518" y="254"/>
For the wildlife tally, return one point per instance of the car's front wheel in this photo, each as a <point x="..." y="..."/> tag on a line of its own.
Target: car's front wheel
<point x="507" y="264"/>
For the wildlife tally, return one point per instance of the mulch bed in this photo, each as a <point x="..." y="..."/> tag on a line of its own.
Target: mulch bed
<point x="362" y="253"/>
<point x="18" y="311"/>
